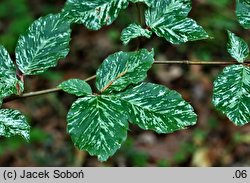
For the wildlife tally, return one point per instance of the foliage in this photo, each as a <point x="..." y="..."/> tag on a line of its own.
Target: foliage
<point x="76" y="87"/>
<point x="242" y="12"/>
<point x="232" y="87"/>
<point x="45" y="42"/>
<point x="12" y="122"/>
<point x="168" y="19"/>
<point x="123" y="69"/>
<point x="134" y="31"/>
<point x="94" y="14"/>
<point x="98" y="121"/>
<point x="9" y="84"/>
<point x="232" y="93"/>
<point x="237" y="47"/>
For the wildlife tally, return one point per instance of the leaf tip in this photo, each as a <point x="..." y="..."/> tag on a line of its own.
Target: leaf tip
<point x="237" y="47"/>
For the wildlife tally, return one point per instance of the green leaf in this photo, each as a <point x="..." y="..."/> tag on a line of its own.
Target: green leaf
<point x="76" y="87"/>
<point x="237" y="47"/>
<point x="155" y="107"/>
<point x="45" y="42"/>
<point x="134" y="31"/>
<point x="160" y="9"/>
<point x="147" y="2"/>
<point x="243" y="12"/>
<point x="122" y="69"/>
<point x="98" y="125"/>
<point x="231" y="93"/>
<point x="94" y="13"/>
<point x="9" y="84"/>
<point x="12" y="123"/>
<point x="167" y="18"/>
<point x="7" y="66"/>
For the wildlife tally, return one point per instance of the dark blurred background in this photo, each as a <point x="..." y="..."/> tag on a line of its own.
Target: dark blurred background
<point x="214" y="141"/>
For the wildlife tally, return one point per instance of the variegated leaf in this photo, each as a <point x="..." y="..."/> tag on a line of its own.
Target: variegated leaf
<point x="98" y="125"/>
<point x="155" y="107"/>
<point x="237" y="47"/>
<point x="76" y="87"/>
<point x="231" y="93"/>
<point x="134" y="31"/>
<point x="122" y="69"/>
<point x="7" y="66"/>
<point x="12" y="123"/>
<point x="45" y="42"/>
<point x="168" y="19"/>
<point x="9" y="84"/>
<point x="94" y="13"/>
<point x="243" y="12"/>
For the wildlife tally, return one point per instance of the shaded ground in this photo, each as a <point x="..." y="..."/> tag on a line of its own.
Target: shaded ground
<point x="214" y="141"/>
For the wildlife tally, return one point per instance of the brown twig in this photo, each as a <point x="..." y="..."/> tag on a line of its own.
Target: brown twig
<point x="187" y="62"/>
<point x="37" y="93"/>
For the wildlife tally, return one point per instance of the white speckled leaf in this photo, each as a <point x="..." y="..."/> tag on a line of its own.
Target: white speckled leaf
<point x="98" y="125"/>
<point x="231" y="93"/>
<point x="168" y="19"/>
<point x="134" y="31"/>
<point x="237" y="47"/>
<point x="155" y="107"/>
<point x="122" y="69"/>
<point x="76" y="87"/>
<point x="7" y="66"/>
<point x="94" y="13"/>
<point x="45" y="42"/>
<point x="243" y="12"/>
<point x="12" y="123"/>
<point x="147" y="2"/>
<point x="9" y="84"/>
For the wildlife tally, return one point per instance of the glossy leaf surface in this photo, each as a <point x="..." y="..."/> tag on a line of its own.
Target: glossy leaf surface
<point x="232" y="93"/>
<point x="237" y="47"/>
<point x="94" y="13"/>
<point x="9" y="84"/>
<point x="243" y="12"/>
<point x="98" y="125"/>
<point x="12" y="123"/>
<point x="76" y="87"/>
<point x="122" y="69"/>
<point x="134" y="31"/>
<point x="168" y="19"/>
<point x="155" y="107"/>
<point x="45" y="42"/>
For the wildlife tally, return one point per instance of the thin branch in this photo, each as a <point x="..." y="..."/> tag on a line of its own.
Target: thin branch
<point x="187" y="62"/>
<point x="37" y="93"/>
<point x="42" y="92"/>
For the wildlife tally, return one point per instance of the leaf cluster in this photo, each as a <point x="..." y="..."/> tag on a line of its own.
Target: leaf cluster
<point x="98" y="122"/>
